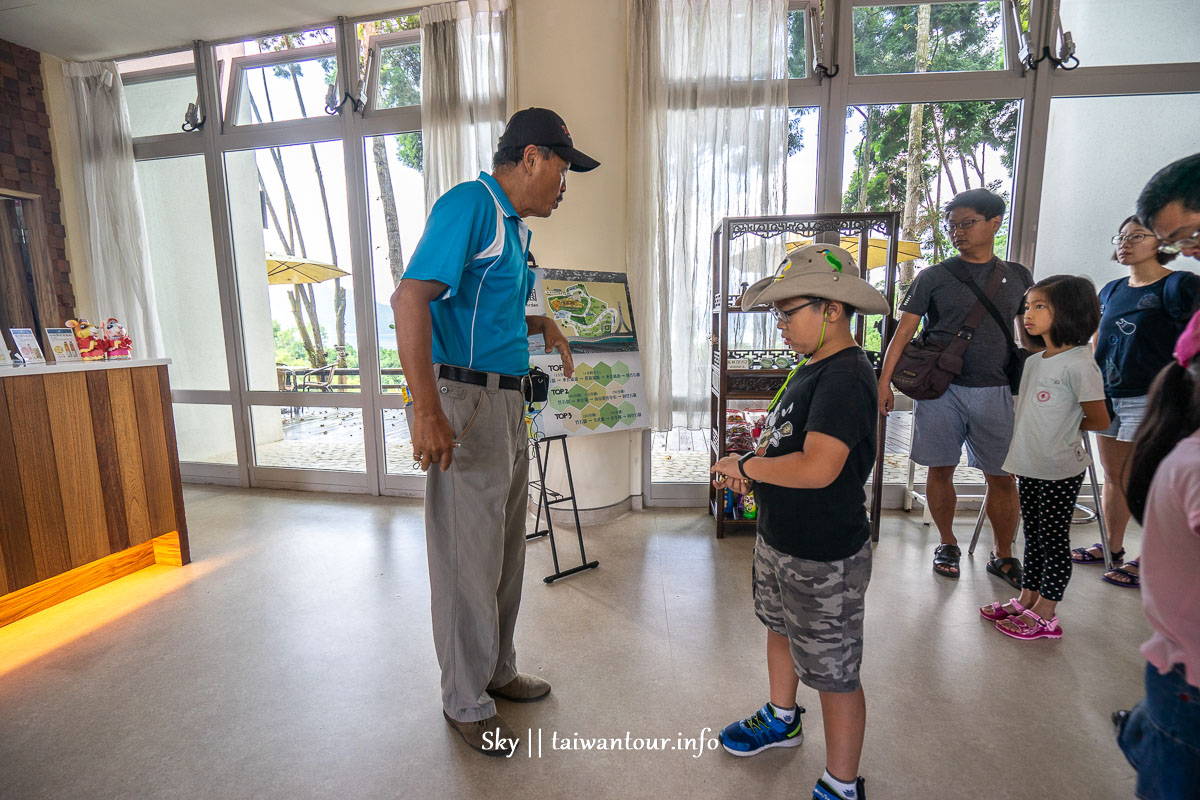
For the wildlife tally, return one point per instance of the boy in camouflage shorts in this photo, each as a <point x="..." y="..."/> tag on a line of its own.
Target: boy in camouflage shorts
<point x="812" y="557"/>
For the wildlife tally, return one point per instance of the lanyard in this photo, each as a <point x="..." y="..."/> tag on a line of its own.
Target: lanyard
<point x="775" y="399"/>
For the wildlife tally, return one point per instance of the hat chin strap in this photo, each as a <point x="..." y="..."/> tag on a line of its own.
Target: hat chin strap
<point x="820" y="342"/>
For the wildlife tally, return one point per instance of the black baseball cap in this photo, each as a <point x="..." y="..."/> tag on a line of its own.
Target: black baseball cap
<point x="544" y="128"/>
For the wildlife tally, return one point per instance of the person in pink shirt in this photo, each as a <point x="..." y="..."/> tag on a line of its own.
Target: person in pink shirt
<point x="1161" y="735"/>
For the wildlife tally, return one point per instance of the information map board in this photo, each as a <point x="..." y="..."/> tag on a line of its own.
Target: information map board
<point x="607" y="392"/>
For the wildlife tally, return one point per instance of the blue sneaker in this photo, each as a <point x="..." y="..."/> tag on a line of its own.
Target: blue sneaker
<point x="823" y="791"/>
<point x="760" y="731"/>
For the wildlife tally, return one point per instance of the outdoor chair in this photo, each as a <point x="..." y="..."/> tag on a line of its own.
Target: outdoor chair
<point x="318" y="379"/>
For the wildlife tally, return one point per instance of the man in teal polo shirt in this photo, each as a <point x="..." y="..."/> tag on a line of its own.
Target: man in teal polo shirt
<point x="462" y="335"/>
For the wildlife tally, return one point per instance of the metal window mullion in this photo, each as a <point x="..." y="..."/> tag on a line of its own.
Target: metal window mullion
<point x="222" y="233"/>
<point x="362" y="272"/>
<point x="1111" y="81"/>
<point x="278" y="134"/>
<point x="169" y="145"/>
<point x="206" y="397"/>
<point x="831" y="137"/>
<point x="933" y="90"/>
<point x="299" y="399"/>
<point x="1030" y="161"/>
<point x="391" y="120"/>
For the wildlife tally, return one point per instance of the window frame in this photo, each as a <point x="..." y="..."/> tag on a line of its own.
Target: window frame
<point x="375" y="46"/>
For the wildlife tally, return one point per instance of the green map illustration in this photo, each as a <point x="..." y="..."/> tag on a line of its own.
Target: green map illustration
<point x="602" y="396"/>
<point x="594" y="314"/>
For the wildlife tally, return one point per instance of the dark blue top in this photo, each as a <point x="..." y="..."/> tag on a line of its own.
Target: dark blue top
<point x="1138" y="329"/>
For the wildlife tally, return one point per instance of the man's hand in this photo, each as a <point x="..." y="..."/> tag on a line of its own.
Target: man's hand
<point x="556" y="341"/>
<point x="433" y="439"/>
<point x="887" y="398"/>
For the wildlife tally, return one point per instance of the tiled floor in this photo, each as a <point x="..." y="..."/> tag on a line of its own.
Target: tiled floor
<point x="293" y="659"/>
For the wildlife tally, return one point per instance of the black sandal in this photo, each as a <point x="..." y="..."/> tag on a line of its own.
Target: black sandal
<point x="1012" y="577"/>
<point x="945" y="558"/>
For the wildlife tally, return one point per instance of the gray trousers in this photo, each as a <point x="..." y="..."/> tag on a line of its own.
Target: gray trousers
<point x="475" y="537"/>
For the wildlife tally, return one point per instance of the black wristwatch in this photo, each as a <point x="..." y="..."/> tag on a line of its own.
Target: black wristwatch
<point x="742" y="464"/>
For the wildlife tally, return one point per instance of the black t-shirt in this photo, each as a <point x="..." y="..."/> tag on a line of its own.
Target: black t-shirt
<point x="1138" y="329"/>
<point x="945" y="301"/>
<point x="836" y="396"/>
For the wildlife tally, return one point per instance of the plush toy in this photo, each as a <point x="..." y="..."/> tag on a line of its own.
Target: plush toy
<point x="119" y="343"/>
<point x="91" y="341"/>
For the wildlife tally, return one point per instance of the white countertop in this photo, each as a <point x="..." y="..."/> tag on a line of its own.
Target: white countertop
<point x="79" y="366"/>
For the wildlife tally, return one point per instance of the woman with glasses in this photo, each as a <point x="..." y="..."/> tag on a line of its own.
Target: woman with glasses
<point x="1141" y="317"/>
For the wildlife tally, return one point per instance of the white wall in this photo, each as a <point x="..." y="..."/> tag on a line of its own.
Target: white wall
<point x="570" y="57"/>
<point x="1100" y="153"/>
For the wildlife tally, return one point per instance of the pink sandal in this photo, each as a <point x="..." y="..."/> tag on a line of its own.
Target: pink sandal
<point x="994" y="612"/>
<point x="1031" y="626"/>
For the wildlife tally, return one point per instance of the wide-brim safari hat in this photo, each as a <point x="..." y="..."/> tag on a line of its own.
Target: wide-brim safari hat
<point x="818" y="270"/>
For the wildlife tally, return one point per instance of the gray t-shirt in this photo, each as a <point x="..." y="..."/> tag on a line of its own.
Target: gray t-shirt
<point x="944" y="301"/>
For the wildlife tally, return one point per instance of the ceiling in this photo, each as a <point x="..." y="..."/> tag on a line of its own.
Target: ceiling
<point x="83" y="30"/>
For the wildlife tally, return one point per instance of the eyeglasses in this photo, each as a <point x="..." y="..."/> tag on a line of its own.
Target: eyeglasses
<point x="1171" y="248"/>
<point x="966" y="224"/>
<point x="785" y="314"/>
<point x="1133" y="238"/>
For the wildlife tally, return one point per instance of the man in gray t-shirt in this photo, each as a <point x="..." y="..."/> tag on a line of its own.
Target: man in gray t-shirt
<point x="977" y="409"/>
<point x="945" y="301"/>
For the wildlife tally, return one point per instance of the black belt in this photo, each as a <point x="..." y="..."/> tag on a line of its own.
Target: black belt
<point x="477" y="378"/>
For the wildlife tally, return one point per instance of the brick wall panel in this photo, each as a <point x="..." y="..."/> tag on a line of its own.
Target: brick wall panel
<point x="26" y="162"/>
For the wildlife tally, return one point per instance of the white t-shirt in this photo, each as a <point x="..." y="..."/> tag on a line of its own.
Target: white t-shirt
<point x="1047" y="442"/>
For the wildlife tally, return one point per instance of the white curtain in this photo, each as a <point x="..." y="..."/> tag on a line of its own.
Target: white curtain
<point x="707" y="139"/>
<point x="466" y="70"/>
<point x="114" y="227"/>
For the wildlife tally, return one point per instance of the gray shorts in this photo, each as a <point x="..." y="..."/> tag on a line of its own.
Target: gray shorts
<point x="818" y="606"/>
<point x="979" y="416"/>
<point x="1127" y="418"/>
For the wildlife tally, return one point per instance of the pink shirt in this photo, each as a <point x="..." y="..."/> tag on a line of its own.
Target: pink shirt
<point x="1170" y="563"/>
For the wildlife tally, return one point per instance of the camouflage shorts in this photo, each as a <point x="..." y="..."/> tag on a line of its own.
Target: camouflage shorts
<point x="818" y="606"/>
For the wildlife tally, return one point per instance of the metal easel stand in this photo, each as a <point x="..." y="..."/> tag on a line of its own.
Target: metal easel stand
<point x="548" y="498"/>
<point x="1089" y="515"/>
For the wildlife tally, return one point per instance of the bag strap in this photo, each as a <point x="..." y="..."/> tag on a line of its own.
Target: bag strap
<point x="985" y="300"/>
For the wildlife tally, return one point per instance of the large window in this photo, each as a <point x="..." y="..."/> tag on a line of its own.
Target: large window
<point x="931" y="37"/>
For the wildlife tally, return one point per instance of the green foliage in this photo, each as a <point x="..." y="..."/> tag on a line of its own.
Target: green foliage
<point x="962" y="36"/>
<point x="957" y="138"/>
<point x="797" y="58"/>
<point x="288" y="347"/>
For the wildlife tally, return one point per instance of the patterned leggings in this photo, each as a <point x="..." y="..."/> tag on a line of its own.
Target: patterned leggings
<point x="1047" y="507"/>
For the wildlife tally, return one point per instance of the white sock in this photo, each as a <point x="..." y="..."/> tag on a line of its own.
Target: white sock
<point x="848" y="791"/>
<point x="787" y="715"/>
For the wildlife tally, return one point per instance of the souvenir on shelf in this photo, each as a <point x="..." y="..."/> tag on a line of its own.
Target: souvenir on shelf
<point x="89" y="339"/>
<point x="119" y="343"/>
<point x="61" y="342"/>
<point x="5" y="359"/>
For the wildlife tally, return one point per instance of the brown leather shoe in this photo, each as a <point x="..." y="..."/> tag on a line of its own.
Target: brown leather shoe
<point x="521" y="689"/>
<point x="491" y="736"/>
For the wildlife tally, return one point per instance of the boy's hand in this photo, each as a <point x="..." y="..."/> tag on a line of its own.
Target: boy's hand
<point x="727" y="476"/>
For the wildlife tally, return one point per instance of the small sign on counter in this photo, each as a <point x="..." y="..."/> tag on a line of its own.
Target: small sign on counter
<point x="61" y="342"/>
<point x="29" y="350"/>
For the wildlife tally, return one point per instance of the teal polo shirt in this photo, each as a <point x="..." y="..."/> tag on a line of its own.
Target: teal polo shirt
<point x="476" y="245"/>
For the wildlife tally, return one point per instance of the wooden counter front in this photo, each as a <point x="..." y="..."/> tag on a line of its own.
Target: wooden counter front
<point x="90" y="487"/>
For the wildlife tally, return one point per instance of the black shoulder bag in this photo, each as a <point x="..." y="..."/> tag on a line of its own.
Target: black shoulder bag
<point x="1015" y="364"/>
<point x="925" y="370"/>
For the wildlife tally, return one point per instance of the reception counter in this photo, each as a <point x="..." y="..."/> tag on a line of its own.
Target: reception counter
<point x="89" y="479"/>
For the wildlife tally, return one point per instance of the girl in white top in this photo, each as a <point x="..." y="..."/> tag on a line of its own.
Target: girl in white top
<point x="1062" y="393"/>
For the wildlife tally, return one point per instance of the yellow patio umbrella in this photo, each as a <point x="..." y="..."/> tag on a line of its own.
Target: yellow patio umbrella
<point x="289" y="269"/>
<point x="876" y="250"/>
